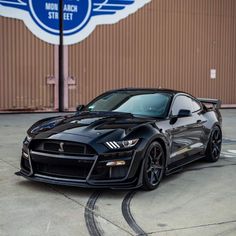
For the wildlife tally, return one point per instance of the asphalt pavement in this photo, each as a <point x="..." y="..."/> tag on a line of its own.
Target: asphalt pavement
<point x="200" y="200"/>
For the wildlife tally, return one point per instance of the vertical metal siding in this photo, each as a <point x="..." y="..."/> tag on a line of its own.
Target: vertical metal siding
<point x="168" y="43"/>
<point x="25" y="63"/>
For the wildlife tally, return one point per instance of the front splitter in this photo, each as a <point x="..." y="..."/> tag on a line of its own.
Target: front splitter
<point x="77" y="183"/>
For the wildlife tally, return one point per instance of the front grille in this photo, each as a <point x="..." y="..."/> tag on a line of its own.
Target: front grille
<point x="60" y="167"/>
<point x="64" y="147"/>
<point x="61" y="147"/>
<point x="64" y="171"/>
<point x="58" y="158"/>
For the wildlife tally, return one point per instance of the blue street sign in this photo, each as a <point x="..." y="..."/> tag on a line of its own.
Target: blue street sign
<point x="80" y="16"/>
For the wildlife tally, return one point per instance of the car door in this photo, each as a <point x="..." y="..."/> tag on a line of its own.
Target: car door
<point x="186" y="132"/>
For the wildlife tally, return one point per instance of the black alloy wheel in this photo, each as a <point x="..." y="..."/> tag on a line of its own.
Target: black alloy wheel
<point x="154" y="166"/>
<point x="214" y="145"/>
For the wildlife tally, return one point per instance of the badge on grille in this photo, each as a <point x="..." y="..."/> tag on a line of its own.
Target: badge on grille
<point x="61" y="149"/>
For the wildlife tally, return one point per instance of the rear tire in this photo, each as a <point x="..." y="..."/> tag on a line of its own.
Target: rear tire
<point x="154" y="165"/>
<point x="214" y="145"/>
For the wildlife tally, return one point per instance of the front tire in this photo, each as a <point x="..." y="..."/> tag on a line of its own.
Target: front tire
<point x="214" y="145"/>
<point x="154" y="165"/>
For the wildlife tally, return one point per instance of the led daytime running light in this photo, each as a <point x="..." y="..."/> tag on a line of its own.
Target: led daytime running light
<point x="122" y="144"/>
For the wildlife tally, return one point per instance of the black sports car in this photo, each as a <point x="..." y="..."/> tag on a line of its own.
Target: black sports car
<point x="124" y="138"/>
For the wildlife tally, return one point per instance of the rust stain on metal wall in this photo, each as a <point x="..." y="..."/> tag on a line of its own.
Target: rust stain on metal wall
<point x="25" y="63"/>
<point x="168" y="43"/>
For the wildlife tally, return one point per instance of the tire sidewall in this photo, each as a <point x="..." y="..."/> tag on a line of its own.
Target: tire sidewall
<point x="146" y="184"/>
<point x="209" y="155"/>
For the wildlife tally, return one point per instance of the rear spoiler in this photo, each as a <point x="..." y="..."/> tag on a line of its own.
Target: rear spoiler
<point x="215" y="102"/>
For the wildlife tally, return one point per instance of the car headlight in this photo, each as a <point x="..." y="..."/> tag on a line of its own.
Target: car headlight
<point x="122" y="144"/>
<point x="27" y="139"/>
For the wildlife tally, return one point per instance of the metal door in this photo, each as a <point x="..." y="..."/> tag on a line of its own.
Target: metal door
<point x="28" y="69"/>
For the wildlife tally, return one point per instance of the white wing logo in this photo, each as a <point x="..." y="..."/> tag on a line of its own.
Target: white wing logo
<point x="80" y="16"/>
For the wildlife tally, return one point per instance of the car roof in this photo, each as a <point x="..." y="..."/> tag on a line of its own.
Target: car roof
<point x="171" y="91"/>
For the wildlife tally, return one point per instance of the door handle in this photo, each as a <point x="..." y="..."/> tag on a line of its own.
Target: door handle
<point x="199" y="121"/>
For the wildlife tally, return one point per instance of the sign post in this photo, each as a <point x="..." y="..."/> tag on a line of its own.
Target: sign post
<point x="61" y="59"/>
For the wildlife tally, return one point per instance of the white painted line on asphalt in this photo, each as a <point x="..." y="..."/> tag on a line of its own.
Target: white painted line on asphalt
<point x="232" y="151"/>
<point x="229" y="153"/>
<point x="225" y="155"/>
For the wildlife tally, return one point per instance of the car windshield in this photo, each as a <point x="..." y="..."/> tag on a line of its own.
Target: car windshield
<point x="145" y="103"/>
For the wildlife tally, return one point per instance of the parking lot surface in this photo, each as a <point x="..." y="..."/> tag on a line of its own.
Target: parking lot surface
<point x="200" y="200"/>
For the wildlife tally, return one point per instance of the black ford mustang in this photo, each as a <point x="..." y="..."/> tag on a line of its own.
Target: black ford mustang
<point x="124" y="138"/>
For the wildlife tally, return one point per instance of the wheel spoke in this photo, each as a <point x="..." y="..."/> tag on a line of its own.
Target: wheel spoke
<point x="151" y="160"/>
<point x="214" y="152"/>
<point x="219" y="141"/>
<point x="217" y="148"/>
<point x="158" y="167"/>
<point x="154" y="152"/>
<point x="159" y="157"/>
<point x="216" y="135"/>
<point x="152" y="177"/>
<point x="156" y="175"/>
<point x="149" y="169"/>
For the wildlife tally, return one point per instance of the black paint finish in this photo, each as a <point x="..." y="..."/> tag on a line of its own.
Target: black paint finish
<point x="72" y="150"/>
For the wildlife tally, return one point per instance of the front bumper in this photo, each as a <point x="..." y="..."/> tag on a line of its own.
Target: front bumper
<point x="83" y="171"/>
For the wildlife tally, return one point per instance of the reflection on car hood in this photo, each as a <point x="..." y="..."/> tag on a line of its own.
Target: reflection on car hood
<point x="88" y="125"/>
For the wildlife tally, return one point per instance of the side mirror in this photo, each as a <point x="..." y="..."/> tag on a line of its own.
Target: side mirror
<point x="184" y="113"/>
<point x="80" y="107"/>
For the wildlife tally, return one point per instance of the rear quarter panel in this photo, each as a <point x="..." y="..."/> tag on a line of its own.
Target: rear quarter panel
<point x="212" y="118"/>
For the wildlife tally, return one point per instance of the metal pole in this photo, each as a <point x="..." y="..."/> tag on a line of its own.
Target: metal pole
<point x="61" y="59"/>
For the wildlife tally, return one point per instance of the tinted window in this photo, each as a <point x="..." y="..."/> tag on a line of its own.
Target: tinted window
<point x="195" y="106"/>
<point x="155" y="104"/>
<point x="181" y="102"/>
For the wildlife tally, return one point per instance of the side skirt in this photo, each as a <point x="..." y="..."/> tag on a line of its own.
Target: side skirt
<point x="178" y="165"/>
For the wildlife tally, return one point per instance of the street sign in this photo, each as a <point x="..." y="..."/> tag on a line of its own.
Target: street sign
<point x="80" y="16"/>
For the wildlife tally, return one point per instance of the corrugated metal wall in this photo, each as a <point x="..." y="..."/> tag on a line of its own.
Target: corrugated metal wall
<point x="168" y="43"/>
<point x="25" y="63"/>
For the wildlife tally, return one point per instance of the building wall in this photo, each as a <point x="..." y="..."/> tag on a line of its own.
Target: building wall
<point x="25" y="64"/>
<point x="168" y="44"/>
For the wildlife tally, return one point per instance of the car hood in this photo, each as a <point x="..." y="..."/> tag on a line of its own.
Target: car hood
<point x="88" y="126"/>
